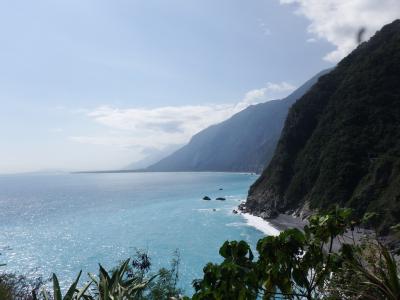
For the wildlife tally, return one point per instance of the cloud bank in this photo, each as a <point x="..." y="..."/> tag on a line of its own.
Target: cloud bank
<point x="338" y="21"/>
<point x="160" y="127"/>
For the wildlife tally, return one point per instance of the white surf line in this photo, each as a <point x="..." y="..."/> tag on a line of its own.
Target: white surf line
<point x="260" y="224"/>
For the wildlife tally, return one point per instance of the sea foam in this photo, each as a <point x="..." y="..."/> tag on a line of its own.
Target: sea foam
<point x="260" y="224"/>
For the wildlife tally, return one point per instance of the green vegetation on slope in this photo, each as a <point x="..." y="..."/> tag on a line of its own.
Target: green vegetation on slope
<point x="341" y="140"/>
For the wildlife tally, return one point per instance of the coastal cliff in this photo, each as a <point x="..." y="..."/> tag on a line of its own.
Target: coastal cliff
<point x="341" y="140"/>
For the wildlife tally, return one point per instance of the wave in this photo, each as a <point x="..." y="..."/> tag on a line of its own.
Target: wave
<point x="260" y="224"/>
<point x="207" y="209"/>
<point x="236" y="224"/>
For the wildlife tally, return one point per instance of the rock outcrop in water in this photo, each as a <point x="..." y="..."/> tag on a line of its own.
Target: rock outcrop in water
<point x="341" y="140"/>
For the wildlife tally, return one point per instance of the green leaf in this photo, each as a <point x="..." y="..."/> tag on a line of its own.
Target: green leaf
<point x="82" y="291"/>
<point x="72" y="289"/>
<point x="45" y="295"/>
<point x="94" y="279"/>
<point x="56" y="288"/>
<point x="104" y="274"/>
<point x="225" y="250"/>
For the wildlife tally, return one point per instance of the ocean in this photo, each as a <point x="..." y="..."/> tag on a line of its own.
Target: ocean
<point x="64" y="223"/>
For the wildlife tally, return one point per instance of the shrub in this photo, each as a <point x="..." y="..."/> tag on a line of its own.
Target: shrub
<point x="303" y="265"/>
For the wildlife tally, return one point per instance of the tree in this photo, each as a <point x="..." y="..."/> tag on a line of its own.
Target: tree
<point x="292" y="265"/>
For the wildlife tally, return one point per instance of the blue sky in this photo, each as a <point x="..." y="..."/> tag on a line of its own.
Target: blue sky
<point x="99" y="84"/>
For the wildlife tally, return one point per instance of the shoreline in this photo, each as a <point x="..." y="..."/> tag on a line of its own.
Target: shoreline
<point x="274" y="226"/>
<point x="260" y="224"/>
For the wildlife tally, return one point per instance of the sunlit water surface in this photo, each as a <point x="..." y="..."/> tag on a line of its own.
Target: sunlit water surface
<point x="67" y="222"/>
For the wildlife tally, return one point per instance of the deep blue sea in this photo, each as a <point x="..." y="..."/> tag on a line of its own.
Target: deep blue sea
<point x="63" y="223"/>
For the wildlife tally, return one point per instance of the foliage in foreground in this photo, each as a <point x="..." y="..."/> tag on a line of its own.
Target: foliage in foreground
<point x="326" y="261"/>
<point x="369" y="271"/>
<point x="14" y="286"/>
<point x="131" y="280"/>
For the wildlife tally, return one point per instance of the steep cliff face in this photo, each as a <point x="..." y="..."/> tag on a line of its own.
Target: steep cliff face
<point x="243" y="143"/>
<point x="341" y="140"/>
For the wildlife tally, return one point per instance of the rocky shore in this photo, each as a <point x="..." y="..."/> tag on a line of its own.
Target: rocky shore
<point x="279" y="221"/>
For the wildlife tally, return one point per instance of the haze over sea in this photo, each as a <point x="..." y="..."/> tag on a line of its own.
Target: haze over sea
<point x="63" y="223"/>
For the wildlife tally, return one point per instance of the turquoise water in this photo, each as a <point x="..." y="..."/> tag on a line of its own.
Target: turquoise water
<point x="68" y="222"/>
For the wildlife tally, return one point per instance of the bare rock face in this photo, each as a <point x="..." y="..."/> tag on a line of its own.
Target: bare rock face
<point x="262" y="211"/>
<point x="302" y="212"/>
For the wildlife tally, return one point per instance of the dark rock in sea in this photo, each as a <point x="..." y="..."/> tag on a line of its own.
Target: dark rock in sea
<point x="220" y="189"/>
<point x="220" y="198"/>
<point x="214" y="209"/>
<point x="235" y="211"/>
<point x="206" y="198"/>
<point x="242" y="207"/>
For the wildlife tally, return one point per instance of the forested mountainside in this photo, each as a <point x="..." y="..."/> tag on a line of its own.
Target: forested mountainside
<point x="341" y="140"/>
<point x="243" y="143"/>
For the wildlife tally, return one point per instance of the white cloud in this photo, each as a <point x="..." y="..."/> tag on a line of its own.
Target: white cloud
<point x="157" y="127"/>
<point x="282" y="87"/>
<point x="269" y="92"/>
<point x="254" y="96"/>
<point x="338" y="21"/>
<point x="160" y="127"/>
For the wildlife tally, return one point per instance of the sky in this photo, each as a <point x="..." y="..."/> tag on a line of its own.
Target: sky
<point x="96" y="84"/>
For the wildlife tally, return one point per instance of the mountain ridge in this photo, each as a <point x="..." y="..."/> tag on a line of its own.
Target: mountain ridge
<point x="341" y="140"/>
<point x="243" y="143"/>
